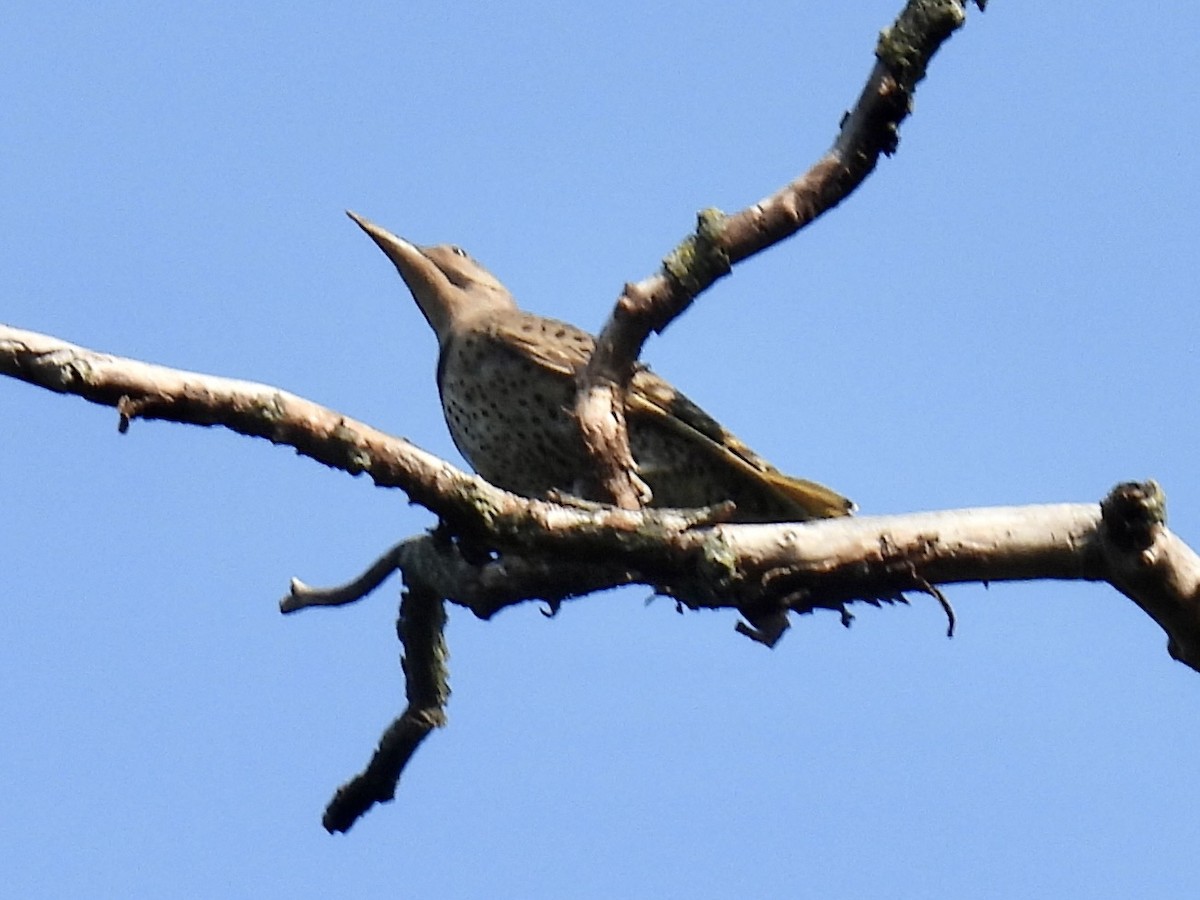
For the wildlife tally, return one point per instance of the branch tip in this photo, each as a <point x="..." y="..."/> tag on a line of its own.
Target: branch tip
<point x="302" y="596"/>
<point x="907" y="46"/>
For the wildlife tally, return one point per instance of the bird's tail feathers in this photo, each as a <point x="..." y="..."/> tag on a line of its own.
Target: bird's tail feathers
<point x="815" y="499"/>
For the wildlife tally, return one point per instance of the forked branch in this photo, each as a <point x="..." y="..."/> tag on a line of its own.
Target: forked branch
<point x="768" y="572"/>
<point x="870" y="129"/>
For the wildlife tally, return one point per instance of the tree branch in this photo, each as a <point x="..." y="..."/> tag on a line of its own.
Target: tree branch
<point x="870" y="129"/>
<point x="484" y="588"/>
<point x="764" y="571"/>
<point x="767" y="572"/>
<point x="421" y="629"/>
<point x="468" y="504"/>
<point x="551" y="551"/>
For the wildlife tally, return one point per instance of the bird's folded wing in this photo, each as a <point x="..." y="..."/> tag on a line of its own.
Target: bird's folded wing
<point x="650" y="395"/>
<point x="566" y="349"/>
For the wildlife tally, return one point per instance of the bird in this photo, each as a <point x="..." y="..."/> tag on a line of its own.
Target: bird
<point x="507" y="380"/>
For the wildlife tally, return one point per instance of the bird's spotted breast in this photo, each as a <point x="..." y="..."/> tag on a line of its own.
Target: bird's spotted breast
<point x="509" y="417"/>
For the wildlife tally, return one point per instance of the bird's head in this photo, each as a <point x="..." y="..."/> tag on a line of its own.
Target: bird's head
<point x="449" y="286"/>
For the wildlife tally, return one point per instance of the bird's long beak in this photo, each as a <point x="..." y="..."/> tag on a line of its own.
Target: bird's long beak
<point x="428" y="284"/>
<point x="407" y="257"/>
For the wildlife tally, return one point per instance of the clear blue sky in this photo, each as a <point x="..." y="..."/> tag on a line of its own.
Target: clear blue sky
<point x="1005" y="313"/>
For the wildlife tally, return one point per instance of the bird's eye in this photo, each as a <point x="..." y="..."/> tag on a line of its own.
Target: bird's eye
<point x="458" y="251"/>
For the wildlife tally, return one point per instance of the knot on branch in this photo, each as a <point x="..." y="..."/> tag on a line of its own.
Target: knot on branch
<point x="700" y="259"/>
<point x="1132" y="513"/>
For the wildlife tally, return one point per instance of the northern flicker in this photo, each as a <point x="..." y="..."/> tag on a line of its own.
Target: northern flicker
<point x="507" y="383"/>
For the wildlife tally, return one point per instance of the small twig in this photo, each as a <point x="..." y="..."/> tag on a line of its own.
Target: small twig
<point x="766" y="629"/>
<point x="926" y="588"/>
<point x="301" y="596"/>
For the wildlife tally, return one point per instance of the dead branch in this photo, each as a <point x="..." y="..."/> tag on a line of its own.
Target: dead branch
<point x="831" y="563"/>
<point x="421" y="629"/>
<point x="870" y="129"/>
<point x="141" y="390"/>
<point x="533" y="549"/>
<point x="767" y="572"/>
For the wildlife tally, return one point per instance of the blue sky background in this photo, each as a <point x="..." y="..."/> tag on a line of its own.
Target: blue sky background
<point x="1005" y="313"/>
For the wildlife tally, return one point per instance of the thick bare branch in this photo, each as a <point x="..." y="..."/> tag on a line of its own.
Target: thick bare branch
<point x="555" y="551"/>
<point x="142" y="390"/>
<point x="870" y="129"/>
<point x="767" y="571"/>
